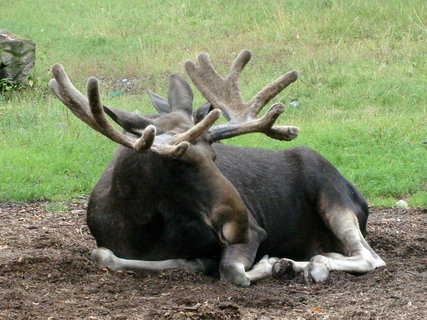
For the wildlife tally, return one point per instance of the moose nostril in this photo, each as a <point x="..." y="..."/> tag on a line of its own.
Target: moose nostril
<point x="228" y="231"/>
<point x="223" y="239"/>
<point x="233" y="233"/>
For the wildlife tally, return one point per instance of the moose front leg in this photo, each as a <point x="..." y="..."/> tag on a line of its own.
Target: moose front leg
<point x="105" y="258"/>
<point x="237" y="259"/>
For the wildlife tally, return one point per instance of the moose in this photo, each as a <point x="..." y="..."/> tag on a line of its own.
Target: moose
<point x="175" y="197"/>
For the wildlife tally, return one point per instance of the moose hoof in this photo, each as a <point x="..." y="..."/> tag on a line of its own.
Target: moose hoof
<point x="235" y="274"/>
<point x="245" y="283"/>
<point x="240" y="280"/>
<point x="317" y="275"/>
<point x="317" y="270"/>
<point x="284" y="269"/>
<point x="104" y="258"/>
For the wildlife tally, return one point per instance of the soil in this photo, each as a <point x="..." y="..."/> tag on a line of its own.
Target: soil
<point x="46" y="273"/>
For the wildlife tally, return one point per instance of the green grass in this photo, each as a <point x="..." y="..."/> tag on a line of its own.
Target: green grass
<point x="362" y="85"/>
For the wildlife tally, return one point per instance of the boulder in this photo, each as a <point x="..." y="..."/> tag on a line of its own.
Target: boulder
<point x="17" y="57"/>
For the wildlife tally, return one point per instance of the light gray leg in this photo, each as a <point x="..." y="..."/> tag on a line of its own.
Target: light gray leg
<point x="239" y="274"/>
<point x="105" y="258"/>
<point x="263" y="269"/>
<point x="237" y="259"/>
<point x="361" y="257"/>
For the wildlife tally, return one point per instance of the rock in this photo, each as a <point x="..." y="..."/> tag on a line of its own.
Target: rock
<point x="402" y="204"/>
<point x="17" y="57"/>
<point x="294" y="103"/>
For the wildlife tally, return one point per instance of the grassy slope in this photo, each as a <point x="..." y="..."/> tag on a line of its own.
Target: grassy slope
<point x="362" y="83"/>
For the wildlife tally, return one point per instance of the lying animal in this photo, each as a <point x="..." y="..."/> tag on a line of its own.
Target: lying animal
<point x="172" y="197"/>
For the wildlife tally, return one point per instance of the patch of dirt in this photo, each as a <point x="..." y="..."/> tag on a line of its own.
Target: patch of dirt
<point x="132" y="85"/>
<point x="46" y="273"/>
<point x="118" y="86"/>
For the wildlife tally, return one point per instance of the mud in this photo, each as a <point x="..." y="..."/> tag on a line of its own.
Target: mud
<point x="45" y="273"/>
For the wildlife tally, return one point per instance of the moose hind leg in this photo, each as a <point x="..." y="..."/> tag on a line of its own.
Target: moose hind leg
<point x="105" y="258"/>
<point x="360" y="257"/>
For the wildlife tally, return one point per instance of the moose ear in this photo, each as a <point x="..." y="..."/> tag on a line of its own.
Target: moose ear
<point x="180" y="96"/>
<point x="160" y="103"/>
<point x="129" y="121"/>
<point x="202" y="111"/>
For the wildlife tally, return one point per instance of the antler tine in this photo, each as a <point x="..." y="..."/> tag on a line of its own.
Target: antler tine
<point x="142" y="144"/>
<point x="238" y="65"/>
<point x="270" y="91"/>
<point x="146" y="140"/>
<point x="70" y="96"/>
<point x="197" y="130"/>
<point x="208" y="70"/>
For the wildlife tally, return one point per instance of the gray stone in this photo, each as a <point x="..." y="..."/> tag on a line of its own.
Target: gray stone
<point x="17" y="57"/>
<point x="402" y="204"/>
<point x="294" y="103"/>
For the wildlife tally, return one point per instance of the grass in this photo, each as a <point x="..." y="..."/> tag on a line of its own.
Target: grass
<point x="362" y="83"/>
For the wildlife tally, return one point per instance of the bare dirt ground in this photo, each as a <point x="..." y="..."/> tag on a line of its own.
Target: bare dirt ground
<point x="46" y="273"/>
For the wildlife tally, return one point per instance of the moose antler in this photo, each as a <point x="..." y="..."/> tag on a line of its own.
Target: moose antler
<point x="91" y="112"/>
<point x="224" y="94"/>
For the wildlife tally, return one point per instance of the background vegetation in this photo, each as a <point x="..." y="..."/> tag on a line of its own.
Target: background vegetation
<point x="362" y="87"/>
